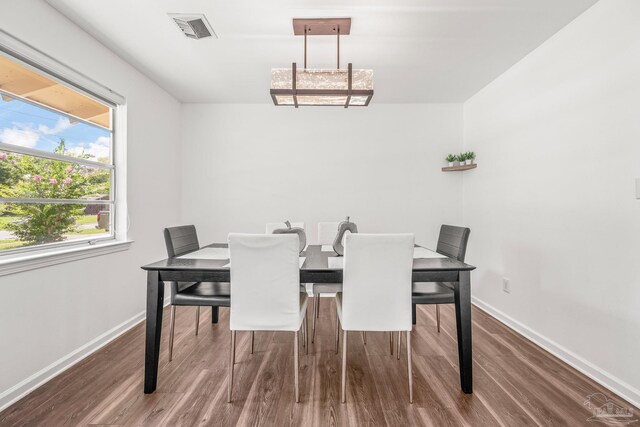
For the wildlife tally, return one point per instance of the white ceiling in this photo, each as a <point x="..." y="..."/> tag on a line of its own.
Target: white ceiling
<point x="420" y="51"/>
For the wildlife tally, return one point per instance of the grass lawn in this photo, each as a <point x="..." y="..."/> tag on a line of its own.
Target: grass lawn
<point x="11" y="244"/>
<point x="81" y="220"/>
<point x="87" y="219"/>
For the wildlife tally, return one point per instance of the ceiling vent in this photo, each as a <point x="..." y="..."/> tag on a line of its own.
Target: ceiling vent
<point x="194" y="26"/>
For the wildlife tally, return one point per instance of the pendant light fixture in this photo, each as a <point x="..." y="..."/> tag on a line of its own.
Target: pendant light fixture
<point x="317" y="87"/>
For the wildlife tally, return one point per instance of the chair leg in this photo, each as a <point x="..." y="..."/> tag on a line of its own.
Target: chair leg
<point x="304" y="331"/>
<point x="337" y="333"/>
<point x="232" y="361"/>
<point x="296" y="363"/>
<point x="343" y="388"/>
<point x="409" y="367"/>
<point x="316" y="301"/>
<point x="172" y="325"/>
<point x="391" y="343"/>
<point x="318" y="304"/>
<point x="197" y="319"/>
<point x="253" y="336"/>
<point x="398" y="344"/>
<point x="234" y="347"/>
<point x="306" y="335"/>
<point x="364" y="337"/>
<point x="438" y="316"/>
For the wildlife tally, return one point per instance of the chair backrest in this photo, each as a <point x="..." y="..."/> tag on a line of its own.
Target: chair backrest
<point x="327" y="232"/>
<point x="180" y="240"/>
<point x="265" y="282"/>
<point x="453" y="241"/>
<point x="275" y="225"/>
<point x="376" y="291"/>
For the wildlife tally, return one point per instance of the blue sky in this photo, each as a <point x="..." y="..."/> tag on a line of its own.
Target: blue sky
<point x="24" y="124"/>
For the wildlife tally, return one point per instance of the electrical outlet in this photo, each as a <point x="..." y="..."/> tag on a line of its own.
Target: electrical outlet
<point x="506" y="285"/>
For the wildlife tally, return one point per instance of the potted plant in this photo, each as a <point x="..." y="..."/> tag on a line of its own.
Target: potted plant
<point x="451" y="158"/>
<point x="471" y="156"/>
<point x="462" y="158"/>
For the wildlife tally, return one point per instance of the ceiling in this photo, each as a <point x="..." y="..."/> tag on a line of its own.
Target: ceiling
<point x="421" y="51"/>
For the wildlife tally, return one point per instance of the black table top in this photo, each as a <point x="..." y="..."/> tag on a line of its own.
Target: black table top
<point x="316" y="261"/>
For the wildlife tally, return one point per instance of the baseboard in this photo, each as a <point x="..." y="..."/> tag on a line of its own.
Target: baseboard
<point x="23" y="388"/>
<point x="611" y="382"/>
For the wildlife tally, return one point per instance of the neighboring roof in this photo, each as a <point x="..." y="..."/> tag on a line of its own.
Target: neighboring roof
<point x="18" y="81"/>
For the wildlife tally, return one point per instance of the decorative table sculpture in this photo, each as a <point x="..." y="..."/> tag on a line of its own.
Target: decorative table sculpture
<point x="344" y="226"/>
<point x="293" y="230"/>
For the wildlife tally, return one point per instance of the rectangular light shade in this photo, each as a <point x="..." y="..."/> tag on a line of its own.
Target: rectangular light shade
<point x="321" y="87"/>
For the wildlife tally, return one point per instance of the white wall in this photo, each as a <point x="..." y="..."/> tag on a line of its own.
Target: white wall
<point x="47" y="314"/>
<point x="552" y="204"/>
<point x="244" y="165"/>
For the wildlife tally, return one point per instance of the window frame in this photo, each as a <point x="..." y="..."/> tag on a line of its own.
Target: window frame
<point x="30" y="57"/>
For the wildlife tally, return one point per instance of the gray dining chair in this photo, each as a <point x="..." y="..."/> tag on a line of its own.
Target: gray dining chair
<point x="452" y="242"/>
<point x="180" y="241"/>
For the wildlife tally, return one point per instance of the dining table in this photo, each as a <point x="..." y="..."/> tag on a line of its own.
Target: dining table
<point x="318" y="264"/>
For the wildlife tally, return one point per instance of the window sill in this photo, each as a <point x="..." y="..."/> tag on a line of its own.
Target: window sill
<point x="45" y="258"/>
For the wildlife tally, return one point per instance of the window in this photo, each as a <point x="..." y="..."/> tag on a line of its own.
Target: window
<point x="57" y="163"/>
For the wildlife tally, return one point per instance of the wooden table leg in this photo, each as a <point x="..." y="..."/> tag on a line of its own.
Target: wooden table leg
<point x="214" y="314"/>
<point x="155" y="302"/>
<point x="462" y="291"/>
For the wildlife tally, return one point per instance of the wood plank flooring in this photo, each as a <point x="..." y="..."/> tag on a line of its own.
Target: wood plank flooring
<point x="515" y="382"/>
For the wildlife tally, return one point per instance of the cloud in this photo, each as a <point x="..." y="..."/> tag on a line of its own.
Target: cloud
<point x="98" y="149"/>
<point x="25" y="137"/>
<point x="62" y="124"/>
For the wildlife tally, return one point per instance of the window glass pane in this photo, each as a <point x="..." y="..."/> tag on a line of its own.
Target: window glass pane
<point x="28" y="224"/>
<point x="56" y="146"/>
<point x="28" y="125"/>
<point x="29" y="177"/>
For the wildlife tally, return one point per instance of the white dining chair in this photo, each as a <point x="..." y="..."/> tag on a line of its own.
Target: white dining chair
<point x="265" y="290"/>
<point x="275" y="225"/>
<point x="327" y="232"/>
<point x="376" y="291"/>
<point x="270" y="227"/>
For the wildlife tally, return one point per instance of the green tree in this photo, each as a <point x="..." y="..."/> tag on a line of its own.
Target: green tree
<point x="49" y="179"/>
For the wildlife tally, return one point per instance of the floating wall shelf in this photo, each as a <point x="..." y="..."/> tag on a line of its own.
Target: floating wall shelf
<point x="459" y="168"/>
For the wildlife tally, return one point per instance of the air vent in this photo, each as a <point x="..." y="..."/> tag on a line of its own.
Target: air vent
<point x="194" y="26"/>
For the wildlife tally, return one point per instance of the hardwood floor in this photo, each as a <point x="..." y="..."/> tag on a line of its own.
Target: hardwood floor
<point x="515" y="382"/>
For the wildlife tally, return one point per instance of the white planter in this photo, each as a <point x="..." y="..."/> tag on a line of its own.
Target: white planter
<point x="471" y="161"/>
<point x="450" y="164"/>
<point x="468" y="161"/>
